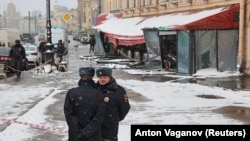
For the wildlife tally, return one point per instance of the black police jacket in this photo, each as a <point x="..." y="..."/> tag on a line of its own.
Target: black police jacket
<point x="17" y="52"/>
<point x="116" y="108"/>
<point x="84" y="111"/>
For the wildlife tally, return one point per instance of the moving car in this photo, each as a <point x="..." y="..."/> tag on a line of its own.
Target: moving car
<point x="32" y="56"/>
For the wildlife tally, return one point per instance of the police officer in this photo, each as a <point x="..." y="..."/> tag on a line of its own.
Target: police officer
<point x="92" y="44"/>
<point x="116" y="104"/>
<point x="42" y="49"/>
<point x="60" y="50"/>
<point x="18" y="57"/>
<point x="84" y="108"/>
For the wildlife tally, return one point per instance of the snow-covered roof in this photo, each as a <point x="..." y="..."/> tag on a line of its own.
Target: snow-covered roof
<point x="133" y="26"/>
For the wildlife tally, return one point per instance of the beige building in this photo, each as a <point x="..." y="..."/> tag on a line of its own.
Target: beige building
<point x="57" y="18"/>
<point x="88" y="11"/>
<point x="72" y="25"/>
<point x="11" y="17"/>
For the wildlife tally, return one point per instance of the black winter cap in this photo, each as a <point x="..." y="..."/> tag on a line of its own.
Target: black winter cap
<point x="17" y="41"/>
<point x="104" y="72"/>
<point x="87" y="71"/>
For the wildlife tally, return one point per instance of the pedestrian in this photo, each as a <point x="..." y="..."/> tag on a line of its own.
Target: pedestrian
<point x="18" y="57"/>
<point x="116" y="103"/>
<point x="42" y="49"/>
<point x="84" y="108"/>
<point x="60" y="50"/>
<point x="92" y="44"/>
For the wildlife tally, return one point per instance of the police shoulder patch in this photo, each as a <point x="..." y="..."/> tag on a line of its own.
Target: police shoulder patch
<point x="125" y="97"/>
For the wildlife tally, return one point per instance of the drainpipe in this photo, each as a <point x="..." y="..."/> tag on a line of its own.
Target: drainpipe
<point x="242" y="39"/>
<point x="139" y="7"/>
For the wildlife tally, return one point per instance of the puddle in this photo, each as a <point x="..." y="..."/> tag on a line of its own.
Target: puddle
<point x="136" y="96"/>
<point x="235" y="112"/>
<point x="207" y="96"/>
<point x="233" y="82"/>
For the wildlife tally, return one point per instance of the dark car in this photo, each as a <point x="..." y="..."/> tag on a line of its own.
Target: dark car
<point x="27" y="38"/>
<point x="5" y="60"/>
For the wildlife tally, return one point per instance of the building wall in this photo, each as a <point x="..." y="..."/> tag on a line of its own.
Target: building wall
<point x="131" y="8"/>
<point x="73" y="23"/>
<point x="11" y="17"/>
<point x="88" y="11"/>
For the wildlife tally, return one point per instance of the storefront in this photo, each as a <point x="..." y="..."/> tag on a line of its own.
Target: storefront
<point x="195" y="39"/>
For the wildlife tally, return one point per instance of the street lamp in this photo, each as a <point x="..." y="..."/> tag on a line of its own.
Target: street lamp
<point x="49" y="53"/>
<point x="48" y="22"/>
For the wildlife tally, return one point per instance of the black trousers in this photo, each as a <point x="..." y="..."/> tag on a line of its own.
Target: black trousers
<point x="17" y="65"/>
<point x="91" y="49"/>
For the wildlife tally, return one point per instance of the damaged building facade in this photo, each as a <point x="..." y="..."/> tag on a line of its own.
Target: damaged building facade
<point x="193" y="35"/>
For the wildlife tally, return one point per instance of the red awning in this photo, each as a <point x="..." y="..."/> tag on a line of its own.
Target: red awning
<point x="225" y="20"/>
<point x="128" y="31"/>
<point x="125" y="40"/>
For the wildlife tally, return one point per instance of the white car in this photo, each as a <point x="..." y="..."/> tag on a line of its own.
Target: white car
<point x="32" y="54"/>
<point x="85" y="38"/>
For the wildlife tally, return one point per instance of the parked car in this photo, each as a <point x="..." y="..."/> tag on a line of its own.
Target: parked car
<point x="84" y="38"/>
<point x="32" y="56"/>
<point x="76" y="36"/>
<point x="27" y="38"/>
<point x="5" y="60"/>
<point x="59" y="33"/>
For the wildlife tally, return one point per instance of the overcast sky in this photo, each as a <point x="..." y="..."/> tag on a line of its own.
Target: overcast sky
<point x="24" y="6"/>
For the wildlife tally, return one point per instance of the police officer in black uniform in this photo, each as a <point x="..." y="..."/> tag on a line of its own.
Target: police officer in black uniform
<point x="60" y="50"/>
<point x="84" y="108"/>
<point x="18" y="57"/>
<point x="116" y="104"/>
<point x="42" y="49"/>
<point x="92" y="44"/>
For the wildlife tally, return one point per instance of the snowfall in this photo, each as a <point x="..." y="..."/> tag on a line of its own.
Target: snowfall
<point x="160" y="103"/>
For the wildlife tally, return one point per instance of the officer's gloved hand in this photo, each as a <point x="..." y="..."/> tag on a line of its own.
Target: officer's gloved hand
<point x="81" y="137"/>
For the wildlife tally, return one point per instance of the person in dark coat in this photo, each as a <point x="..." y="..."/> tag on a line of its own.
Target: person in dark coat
<point x="60" y="50"/>
<point x="116" y="104"/>
<point x="84" y="109"/>
<point x="92" y="44"/>
<point x="18" y="57"/>
<point x="42" y="49"/>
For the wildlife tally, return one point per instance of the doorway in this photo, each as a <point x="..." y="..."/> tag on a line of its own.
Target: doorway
<point x="168" y="43"/>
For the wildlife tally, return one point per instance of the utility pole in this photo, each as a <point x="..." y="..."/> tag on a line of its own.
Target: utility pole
<point x="35" y="25"/>
<point x="29" y="20"/>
